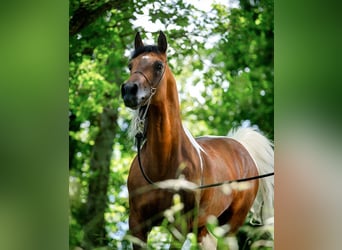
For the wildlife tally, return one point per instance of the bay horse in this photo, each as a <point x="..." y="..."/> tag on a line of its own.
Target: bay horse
<point x="169" y="150"/>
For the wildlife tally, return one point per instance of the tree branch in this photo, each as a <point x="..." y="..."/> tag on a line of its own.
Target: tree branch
<point x="83" y="16"/>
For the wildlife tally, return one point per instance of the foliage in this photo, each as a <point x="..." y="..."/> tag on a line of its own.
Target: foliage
<point x="172" y="233"/>
<point x="223" y="62"/>
<point x="239" y="79"/>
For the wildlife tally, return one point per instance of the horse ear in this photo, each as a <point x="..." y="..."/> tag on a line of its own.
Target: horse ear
<point x="162" y="42"/>
<point x="138" y="42"/>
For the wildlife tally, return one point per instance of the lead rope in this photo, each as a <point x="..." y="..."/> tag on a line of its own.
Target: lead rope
<point x="139" y="136"/>
<point x="237" y="180"/>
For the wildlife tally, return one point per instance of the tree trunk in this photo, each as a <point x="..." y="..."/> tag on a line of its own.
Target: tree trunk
<point x="94" y="227"/>
<point x="74" y="126"/>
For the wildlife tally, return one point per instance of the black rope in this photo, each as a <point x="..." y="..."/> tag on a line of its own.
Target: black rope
<point x="237" y="180"/>
<point x="139" y="137"/>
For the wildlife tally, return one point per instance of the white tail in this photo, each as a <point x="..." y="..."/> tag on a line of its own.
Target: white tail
<point x="260" y="148"/>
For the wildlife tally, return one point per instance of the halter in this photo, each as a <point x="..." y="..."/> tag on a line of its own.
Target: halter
<point x="140" y="120"/>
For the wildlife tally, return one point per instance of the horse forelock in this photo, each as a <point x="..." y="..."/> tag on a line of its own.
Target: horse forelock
<point x="144" y="49"/>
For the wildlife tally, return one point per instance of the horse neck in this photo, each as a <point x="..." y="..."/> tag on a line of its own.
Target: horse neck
<point x="165" y="134"/>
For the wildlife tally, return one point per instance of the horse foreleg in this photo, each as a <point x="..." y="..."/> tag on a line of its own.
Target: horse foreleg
<point x="139" y="230"/>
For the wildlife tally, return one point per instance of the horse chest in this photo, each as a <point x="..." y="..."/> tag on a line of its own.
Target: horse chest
<point x="153" y="204"/>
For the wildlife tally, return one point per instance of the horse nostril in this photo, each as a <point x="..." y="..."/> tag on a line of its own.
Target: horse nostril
<point x="134" y="89"/>
<point x="129" y="89"/>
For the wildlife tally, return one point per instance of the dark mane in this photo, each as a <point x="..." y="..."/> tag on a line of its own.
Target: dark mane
<point x="147" y="48"/>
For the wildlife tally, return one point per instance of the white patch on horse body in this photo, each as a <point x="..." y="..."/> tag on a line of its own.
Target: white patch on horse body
<point x="195" y="144"/>
<point x="145" y="57"/>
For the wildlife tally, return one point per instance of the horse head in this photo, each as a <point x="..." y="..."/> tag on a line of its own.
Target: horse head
<point x="147" y="68"/>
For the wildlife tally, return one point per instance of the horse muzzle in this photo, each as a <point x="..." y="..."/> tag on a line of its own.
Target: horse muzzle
<point x="129" y="94"/>
<point x="132" y="95"/>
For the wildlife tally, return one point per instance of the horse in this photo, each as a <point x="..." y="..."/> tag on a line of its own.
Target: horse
<point x="170" y="151"/>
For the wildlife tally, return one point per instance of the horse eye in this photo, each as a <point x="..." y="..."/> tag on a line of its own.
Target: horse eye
<point x="158" y="66"/>
<point x="130" y="67"/>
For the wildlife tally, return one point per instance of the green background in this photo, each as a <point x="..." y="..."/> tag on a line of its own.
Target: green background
<point x="34" y="124"/>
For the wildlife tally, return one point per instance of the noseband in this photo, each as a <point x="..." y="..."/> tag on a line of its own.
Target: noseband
<point x="141" y="73"/>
